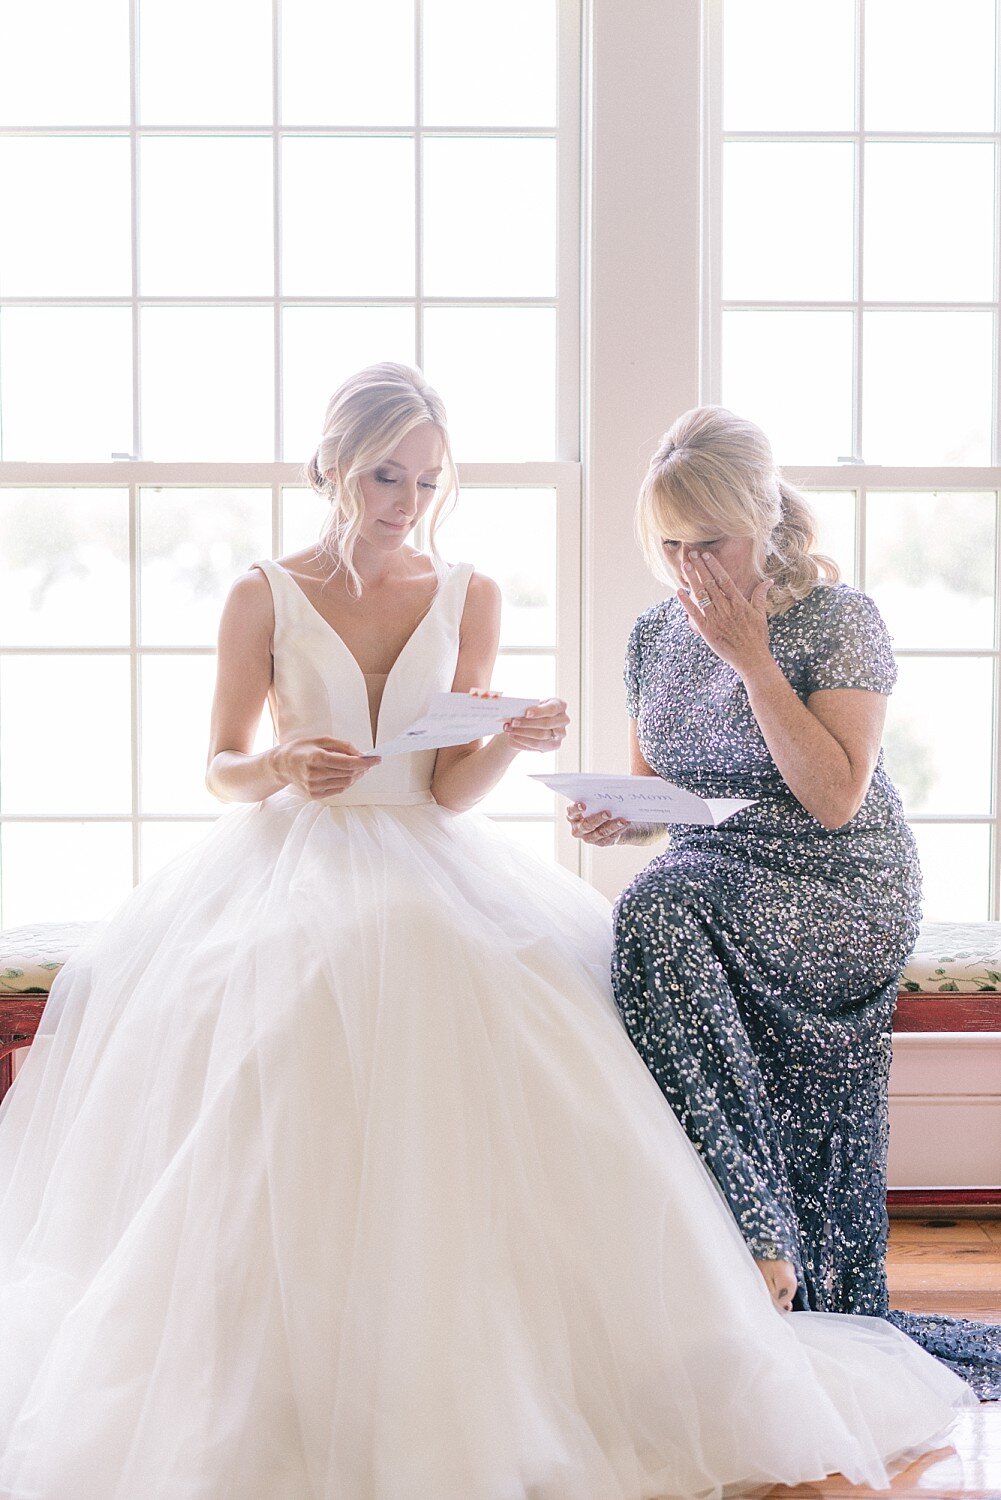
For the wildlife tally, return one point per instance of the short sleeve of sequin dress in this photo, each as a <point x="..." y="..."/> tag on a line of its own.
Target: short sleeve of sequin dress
<point x="851" y="646"/>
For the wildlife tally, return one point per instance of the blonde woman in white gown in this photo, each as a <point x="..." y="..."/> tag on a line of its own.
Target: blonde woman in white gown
<point x="332" y="1174"/>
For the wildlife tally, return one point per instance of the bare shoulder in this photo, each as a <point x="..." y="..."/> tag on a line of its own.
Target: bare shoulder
<point x="479" y="628"/>
<point x="249" y="603"/>
<point x="483" y="597"/>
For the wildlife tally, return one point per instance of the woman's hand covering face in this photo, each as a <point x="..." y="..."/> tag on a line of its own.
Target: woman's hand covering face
<point x="734" y="627"/>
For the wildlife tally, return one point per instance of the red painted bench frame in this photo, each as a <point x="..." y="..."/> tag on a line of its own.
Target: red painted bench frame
<point x="19" y="1018"/>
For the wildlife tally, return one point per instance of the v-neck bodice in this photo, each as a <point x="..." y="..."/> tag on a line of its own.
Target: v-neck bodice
<point x="319" y="688"/>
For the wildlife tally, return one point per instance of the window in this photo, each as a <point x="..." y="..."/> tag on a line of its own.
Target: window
<point x="194" y="255"/>
<point x="852" y="176"/>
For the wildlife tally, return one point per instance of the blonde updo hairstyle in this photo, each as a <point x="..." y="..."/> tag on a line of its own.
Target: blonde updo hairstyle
<point x="713" y="475"/>
<point x="366" y="417"/>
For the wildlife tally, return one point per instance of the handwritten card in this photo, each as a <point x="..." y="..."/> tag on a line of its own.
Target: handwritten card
<point x="642" y="799"/>
<point x="455" y="719"/>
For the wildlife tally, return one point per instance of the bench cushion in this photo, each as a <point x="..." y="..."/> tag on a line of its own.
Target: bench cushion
<point x="950" y="958"/>
<point x="955" y="958"/>
<point x="31" y="957"/>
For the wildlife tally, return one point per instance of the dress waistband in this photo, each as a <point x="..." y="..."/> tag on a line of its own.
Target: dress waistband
<point x="358" y="797"/>
<point x="354" y="797"/>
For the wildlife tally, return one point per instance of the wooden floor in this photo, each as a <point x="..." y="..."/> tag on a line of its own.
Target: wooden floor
<point x="948" y="1266"/>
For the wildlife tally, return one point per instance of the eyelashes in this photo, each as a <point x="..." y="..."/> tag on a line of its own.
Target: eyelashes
<point x="391" y="479"/>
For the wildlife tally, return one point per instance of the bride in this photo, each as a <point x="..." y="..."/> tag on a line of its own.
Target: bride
<point x="332" y="1174"/>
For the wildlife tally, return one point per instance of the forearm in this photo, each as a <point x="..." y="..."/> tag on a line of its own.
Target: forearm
<point x="466" y="781"/>
<point x="812" y="763"/>
<point x="235" y="777"/>
<point x="642" y="833"/>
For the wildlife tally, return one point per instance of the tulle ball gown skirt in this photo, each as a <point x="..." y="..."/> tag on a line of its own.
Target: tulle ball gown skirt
<point x="332" y="1175"/>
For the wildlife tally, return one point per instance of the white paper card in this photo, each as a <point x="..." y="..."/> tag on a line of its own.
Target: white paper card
<point x="455" y="719"/>
<point x="642" y="799"/>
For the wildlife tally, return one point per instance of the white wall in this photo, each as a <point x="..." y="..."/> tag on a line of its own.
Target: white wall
<point x="641" y="349"/>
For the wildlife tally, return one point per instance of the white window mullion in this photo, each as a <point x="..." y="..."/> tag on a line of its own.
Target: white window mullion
<point x="134" y="188"/>
<point x="135" y="679"/>
<point x="858" y="452"/>
<point x="276" y="215"/>
<point x="419" y="184"/>
<point x="711" y="289"/>
<point x="996" y="435"/>
<point x="568" y="240"/>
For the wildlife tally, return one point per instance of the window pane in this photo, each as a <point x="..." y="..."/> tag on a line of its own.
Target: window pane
<point x="176" y="709"/>
<point x="41" y="871"/>
<point x="938" y="767"/>
<point x="488" y="527"/>
<point x="955" y="870"/>
<point x="194" y="543"/>
<point x="489" y="218"/>
<point x="929" y="223"/>
<point x="42" y="81"/>
<point x="524" y="677"/>
<point x="928" y="66"/>
<point x="206" y="218"/>
<point x="91" y="697"/>
<point x="66" y="567"/>
<point x="499" y="70"/>
<point x="322" y="346"/>
<point x="303" y="513"/>
<point x="835" y="512"/>
<point x="50" y="183"/>
<point x="791" y="372"/>
<point x="208" y="383"/>
<point x="788" y="66"/>
<point x="930" y="567"/>
<point x="537" y="838"/>
<point x="205" y="62"/>
<point x="805" y="196"/>
<point x="348" y="218"/>
<point x="377" y="88"/>
<point x="496" y="371"/>
<point x="927" y="387"/>
<point x="65" y="383"/>
<point x="159" y="843"/>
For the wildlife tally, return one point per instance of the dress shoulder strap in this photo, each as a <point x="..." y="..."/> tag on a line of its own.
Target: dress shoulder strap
<point x="454" y="587"/>
<point x="272" y="572"/>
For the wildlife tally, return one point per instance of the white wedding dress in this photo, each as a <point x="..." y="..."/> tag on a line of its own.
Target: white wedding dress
<point x="333" y="1175"/>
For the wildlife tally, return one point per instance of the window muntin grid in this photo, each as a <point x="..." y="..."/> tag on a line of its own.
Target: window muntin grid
<point x="881" y="269"/>
<point x="514" y="333"/>
<point x="857" y="422"/>
<point x="275" y="332"/>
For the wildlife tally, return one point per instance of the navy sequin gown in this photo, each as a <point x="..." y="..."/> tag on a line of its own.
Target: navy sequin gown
<point x="756" y="964"/>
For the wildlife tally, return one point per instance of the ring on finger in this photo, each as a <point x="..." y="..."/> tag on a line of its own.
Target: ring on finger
<point x="704" y="602"/>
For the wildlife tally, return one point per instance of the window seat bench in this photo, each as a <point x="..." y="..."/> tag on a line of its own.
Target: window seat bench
<point x="945" y="1082"/>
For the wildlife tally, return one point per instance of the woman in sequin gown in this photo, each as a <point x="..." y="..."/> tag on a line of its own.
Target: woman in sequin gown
<point x="756" y="964"/>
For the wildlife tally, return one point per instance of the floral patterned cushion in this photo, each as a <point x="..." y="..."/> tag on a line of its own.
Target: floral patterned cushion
<point x="31" y="957"/>
<point x="961" y="958"/>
